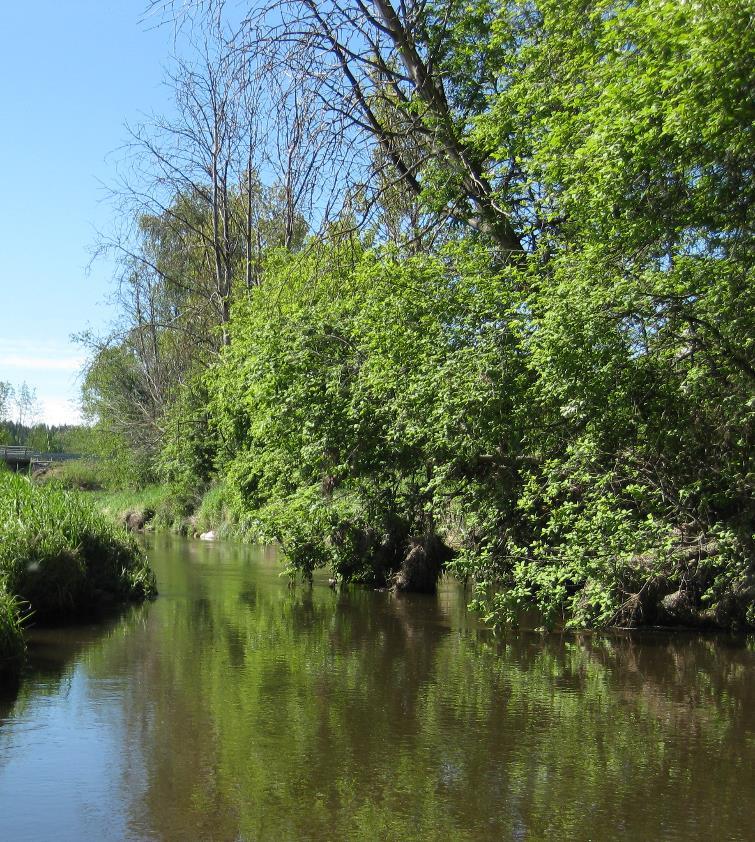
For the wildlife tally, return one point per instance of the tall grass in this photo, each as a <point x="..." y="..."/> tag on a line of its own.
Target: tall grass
<point x="62" y="556"/>
<point x="166" y="508"/>
<point x="12" y="646"/>
<point x="118" y="504"/>
<point x="214" y="513"/>
<point x="82" y="474"/>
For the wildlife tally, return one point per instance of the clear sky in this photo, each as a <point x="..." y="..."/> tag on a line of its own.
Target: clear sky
<point x="72" y="72"/>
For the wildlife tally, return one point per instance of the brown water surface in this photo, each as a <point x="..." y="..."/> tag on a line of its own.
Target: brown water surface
<point x="237" y="708"/>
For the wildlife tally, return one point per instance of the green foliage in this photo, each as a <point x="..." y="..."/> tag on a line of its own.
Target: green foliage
<point x="81" y="474"/>
<point x="186" y="460"/>
<point x="574" y="421"/>
<point x="173" y="511"/>
<point x="213" y="513"/>
<point x="367" y="400"/>
<point x="47" y="438"/>
<point x="137" y="508"/>
<point x="61" y="556"/>
<point x="635" y="123"/>
<point x="12" y="647"/>
<point x="123" y="435"/>
<point x="335" y="460"/>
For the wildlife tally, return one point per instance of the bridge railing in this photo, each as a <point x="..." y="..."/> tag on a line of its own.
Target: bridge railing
<point x="12" y="451"/>
<point x="20" y="454"/>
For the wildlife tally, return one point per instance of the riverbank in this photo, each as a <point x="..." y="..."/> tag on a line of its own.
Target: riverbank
<point x="60" y="560"/>
<point x="141" y="509"/>
<point x="647" y="590"/>
<point x="157" y="508"/>
<point x="12" y="646"/>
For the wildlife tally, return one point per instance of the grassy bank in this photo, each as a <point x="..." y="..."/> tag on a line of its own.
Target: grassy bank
<point x="83" y="474"/>
<point x="161" y="508"/>
<point x="153" y="506"/>
<point x="60" y="559"/>
<point x="137" y="508"/>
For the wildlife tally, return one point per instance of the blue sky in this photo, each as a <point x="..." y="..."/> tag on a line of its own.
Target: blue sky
<point x="71" y="74"/>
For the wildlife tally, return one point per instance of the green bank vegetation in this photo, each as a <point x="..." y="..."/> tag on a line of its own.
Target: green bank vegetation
<point x="11" y="636"/>
<point x="523" y="351"/>
<point x="150" y="507"/>
<point x="83" y="474"/>
<point x="60" y="560"/>
<point x="136" y="506"/>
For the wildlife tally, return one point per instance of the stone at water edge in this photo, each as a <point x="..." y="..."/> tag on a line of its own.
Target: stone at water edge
<point x="208" y="536"/>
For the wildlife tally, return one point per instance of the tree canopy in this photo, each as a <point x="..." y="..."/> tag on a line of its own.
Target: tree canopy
<point x="513" y="336"/>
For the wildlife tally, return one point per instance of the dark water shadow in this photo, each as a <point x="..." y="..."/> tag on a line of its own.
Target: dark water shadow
<point x="52" y="648"/>
<point x="8" y="693"/>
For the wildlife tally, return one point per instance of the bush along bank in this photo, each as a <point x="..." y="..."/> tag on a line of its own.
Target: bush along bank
<point x="60" y="560"/>
<point x="552" y="395"/>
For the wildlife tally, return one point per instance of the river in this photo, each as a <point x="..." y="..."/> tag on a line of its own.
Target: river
<point x="236" y="707"/>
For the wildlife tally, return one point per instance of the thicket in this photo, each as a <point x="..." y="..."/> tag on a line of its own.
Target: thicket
<point x="549" y="389"/>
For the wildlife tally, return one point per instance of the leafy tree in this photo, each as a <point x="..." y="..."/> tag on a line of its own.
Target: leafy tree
<point x="554" y="396"/>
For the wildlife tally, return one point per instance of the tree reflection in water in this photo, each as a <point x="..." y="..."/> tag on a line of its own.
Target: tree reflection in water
<point x="252" y="710"/>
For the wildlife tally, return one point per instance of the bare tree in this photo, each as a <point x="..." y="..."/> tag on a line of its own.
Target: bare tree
<point x="196" y="172"/>
<point x="389" y="100"/>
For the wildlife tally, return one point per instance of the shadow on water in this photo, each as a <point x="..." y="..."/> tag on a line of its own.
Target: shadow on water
<point x="52" y="649"/>
<point x="8" y="694"/>
<point x="236" y="707"/>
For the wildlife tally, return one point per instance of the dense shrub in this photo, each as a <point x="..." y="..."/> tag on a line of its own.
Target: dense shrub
<point x="377" y="411"/>
<point x="553" y="397"/>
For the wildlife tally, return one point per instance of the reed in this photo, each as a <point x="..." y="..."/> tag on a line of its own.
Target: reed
<point x="61" y="556"/>
<point x="12" y="647"/>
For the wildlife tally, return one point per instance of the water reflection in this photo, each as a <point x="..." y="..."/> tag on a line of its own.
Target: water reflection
<point x="236" y="707"/>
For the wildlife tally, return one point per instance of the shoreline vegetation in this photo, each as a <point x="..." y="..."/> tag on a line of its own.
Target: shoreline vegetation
<point x="157" y="508"/>
<point x="483" y="302"/>
<point x="61" y="560"/>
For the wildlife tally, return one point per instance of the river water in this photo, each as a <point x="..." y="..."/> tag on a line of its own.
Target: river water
<point x="237" y="708"/>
